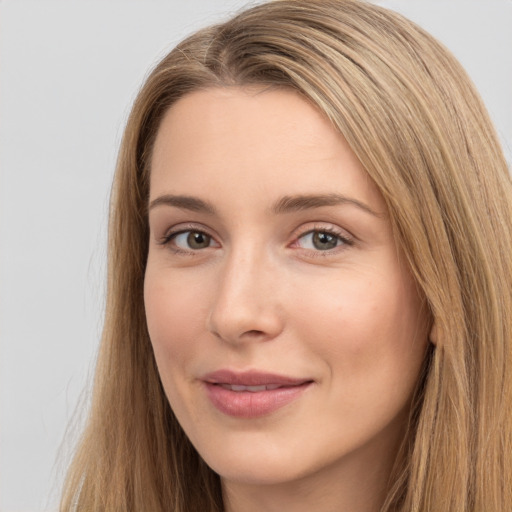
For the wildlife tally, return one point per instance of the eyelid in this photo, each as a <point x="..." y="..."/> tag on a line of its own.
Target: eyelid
<point x="179" y="229"/>
<point x="346" y="238"/>
<point x="341" y="234"/>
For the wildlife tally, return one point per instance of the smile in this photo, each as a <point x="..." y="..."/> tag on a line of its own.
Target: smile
<point x="252" y="389"/>
<point x="252" y="394"/>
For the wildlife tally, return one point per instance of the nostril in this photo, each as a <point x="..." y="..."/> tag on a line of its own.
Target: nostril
<point x="253" y="333"/>
<point x="249" y="322"/>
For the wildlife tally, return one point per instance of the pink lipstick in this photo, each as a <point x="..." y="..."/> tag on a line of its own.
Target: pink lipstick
<point x="252" y="394"/>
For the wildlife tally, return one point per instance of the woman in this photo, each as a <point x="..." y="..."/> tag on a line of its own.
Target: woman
<point x="310" y="282"/>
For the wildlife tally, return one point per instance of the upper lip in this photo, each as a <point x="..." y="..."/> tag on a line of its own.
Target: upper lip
<point x="251" y="378"/>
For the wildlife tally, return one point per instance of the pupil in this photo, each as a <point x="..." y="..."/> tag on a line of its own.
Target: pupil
<point x="324" y="241"/>
<point x="198" y="240"/>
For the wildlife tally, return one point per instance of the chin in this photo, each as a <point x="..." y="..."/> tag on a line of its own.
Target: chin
<point x="266" y="473"/>
<point x="256" y="466"/>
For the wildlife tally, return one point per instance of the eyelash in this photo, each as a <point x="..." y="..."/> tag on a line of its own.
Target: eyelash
<point x="169" y="237"/>
<point x="345" y="241"/>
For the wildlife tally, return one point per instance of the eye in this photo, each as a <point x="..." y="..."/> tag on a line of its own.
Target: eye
<point x="321" y="240"/>
<point x="190" y="240"/>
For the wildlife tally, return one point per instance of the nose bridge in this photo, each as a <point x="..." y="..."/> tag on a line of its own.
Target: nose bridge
<point x="244" y="306"/>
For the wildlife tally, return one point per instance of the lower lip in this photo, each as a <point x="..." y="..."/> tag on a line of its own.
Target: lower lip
<point x="247" y="404"/>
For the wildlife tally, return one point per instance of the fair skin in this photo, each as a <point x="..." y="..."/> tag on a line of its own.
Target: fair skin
<point x="283" y="262"/>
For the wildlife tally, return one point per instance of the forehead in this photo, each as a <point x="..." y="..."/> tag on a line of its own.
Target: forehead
<point x="254" y="141"/>
<point x="256" y="117"/>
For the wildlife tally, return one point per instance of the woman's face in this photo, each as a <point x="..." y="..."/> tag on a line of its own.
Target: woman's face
<point x="287" y="330"/>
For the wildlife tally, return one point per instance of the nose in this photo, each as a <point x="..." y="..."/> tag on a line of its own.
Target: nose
<point x="245" y="307"/>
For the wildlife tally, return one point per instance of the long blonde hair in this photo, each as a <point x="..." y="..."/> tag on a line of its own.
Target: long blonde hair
<point x="412" y="116"/>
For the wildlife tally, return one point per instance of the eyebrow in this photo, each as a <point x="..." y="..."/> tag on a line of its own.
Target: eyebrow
<point x="306" y="202"/>
<point x="191" y="203"/>
<point x="284" y="205"/>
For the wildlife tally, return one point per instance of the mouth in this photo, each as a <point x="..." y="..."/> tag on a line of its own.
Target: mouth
<point x="253" y="394"/>
<point x="252" y="379"/>
<point x="251" y="389"/>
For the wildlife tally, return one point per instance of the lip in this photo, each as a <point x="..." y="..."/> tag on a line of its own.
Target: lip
<point x="252" y="403"/>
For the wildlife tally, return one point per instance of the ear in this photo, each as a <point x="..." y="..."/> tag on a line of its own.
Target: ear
<point x="434" y="333"/>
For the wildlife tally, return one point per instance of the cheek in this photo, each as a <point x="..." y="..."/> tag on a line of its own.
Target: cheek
<point x="175" y="317"/>
<point x="369" y="335"/>
<point x="365" y="325"/>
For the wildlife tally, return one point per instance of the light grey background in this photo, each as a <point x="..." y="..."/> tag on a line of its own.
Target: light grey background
<point x="69" y="71"/>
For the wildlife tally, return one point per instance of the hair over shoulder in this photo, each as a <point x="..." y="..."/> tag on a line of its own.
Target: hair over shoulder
<point x="416" y="123"/>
